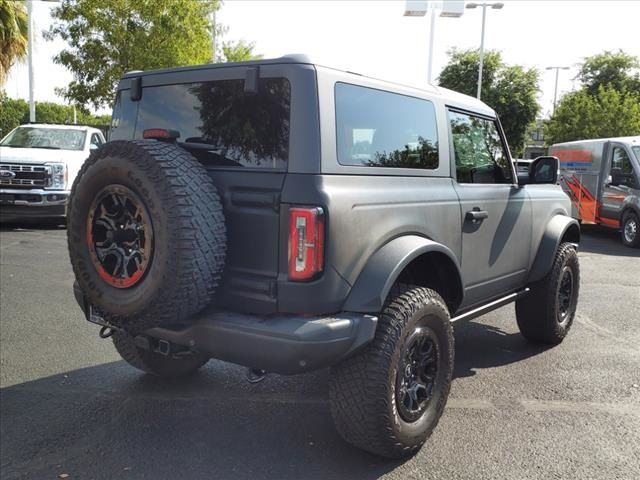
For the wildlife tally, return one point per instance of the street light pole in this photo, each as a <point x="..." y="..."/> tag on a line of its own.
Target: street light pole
<point x="495" y="6"/>
<point x="213" y="37"/>
<point x="555" y="90"/>
<point x="32" y="105"/>
<point x="431" y="36"/>
<point x="418" y="8"/>
<point x="484" y="18"/>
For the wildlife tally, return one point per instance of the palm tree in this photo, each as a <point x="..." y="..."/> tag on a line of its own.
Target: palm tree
<point x="13" y="35"/>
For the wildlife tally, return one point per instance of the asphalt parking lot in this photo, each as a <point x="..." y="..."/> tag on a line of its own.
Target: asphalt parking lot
<point x="70" y="406"/>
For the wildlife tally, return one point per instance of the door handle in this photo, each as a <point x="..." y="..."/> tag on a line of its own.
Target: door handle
<point x="476" y="215"/>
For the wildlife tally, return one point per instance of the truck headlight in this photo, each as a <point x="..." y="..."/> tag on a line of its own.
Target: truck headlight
<point x="57" y="176"/>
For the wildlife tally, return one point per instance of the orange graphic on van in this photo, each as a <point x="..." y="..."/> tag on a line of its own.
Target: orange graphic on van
<point x="573" y="156"/>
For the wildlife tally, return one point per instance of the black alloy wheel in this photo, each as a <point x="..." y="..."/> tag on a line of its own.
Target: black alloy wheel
<point x="417" y="374"/>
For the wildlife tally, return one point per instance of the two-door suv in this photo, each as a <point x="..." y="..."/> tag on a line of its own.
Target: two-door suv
<point x="288" y="217"/>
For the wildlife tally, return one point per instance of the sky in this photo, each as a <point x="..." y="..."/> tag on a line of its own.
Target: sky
<point x="374" y="38"/>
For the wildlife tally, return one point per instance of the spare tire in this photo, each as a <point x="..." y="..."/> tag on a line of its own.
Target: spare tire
<point x="146" y="233"/>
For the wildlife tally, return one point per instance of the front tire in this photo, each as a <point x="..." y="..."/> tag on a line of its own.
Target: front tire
<point x="631" y="230"/>
<point x="165" y="366"/>
<point x="546" y="314"/>
<point x="389" y="398"/>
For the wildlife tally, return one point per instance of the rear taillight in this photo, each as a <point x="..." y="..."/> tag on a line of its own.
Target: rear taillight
<point x="160" y="134"/>
<point x="306" y="242"/>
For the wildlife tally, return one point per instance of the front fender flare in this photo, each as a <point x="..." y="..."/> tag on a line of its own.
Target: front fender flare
<point x="383" y="268"/>
<point x="556" y="229"/>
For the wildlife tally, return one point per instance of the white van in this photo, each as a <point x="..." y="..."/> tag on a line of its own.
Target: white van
<point x="602" y="177"/>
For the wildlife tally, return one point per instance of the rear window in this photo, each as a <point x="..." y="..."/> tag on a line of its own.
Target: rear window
<point x="218" y="122"/>
<point x="382" y="129"/>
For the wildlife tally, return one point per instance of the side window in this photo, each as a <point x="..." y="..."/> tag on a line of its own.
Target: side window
<point x="479" y="151"/>
<point x="96" y="141"/>
<point x="621" y="161"/>
<point x="123" y="121"/>
<point x="375" y="128"/>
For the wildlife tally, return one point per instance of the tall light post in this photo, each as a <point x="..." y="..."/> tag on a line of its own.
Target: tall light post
<point x="32" y="104"/>
<point x="213" y="36"/>
<point x="418" y="8"/>
<point x="495" y="6"/>
<point x="555" y="90"/>
<point x="30" y="40"/>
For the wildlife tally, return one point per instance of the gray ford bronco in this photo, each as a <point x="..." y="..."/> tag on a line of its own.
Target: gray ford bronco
<point x="289" y="217"/>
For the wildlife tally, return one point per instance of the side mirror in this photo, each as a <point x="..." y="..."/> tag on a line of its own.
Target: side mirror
<point x="544" y="170"/>
<point x="93" y="146"/>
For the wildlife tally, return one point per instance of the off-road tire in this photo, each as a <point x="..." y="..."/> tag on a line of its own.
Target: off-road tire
<point x="165" y="366"/>
<point x="628" y="219"/>
<point x="539" y="313"/>
<point x="363" y="388"/>
<point x="188" y="232"/>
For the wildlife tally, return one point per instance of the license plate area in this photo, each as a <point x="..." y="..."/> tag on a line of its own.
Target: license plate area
<point x="95" y="315"/>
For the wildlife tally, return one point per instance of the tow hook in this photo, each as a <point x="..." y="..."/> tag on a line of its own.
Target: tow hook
<point x="106" y="332"/>
<point x="164" y="347"/>
<point x="255" y="375"/>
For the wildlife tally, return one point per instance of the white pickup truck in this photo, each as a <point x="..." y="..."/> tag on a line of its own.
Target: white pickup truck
<point x="38" y="164"/>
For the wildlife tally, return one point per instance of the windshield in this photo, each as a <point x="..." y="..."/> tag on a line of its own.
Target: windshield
<point x="636" y="151"/>
<point x="42" y="137"/>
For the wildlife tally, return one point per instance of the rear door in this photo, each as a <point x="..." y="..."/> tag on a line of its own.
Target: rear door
<point x="496" y="213"/>
<point x="242" y="139"/>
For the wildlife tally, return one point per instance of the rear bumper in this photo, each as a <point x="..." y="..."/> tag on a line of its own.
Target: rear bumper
<point x="285" y="344"/>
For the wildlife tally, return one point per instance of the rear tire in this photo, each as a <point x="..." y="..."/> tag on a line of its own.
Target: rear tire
<point x="389" y="398"/>
<point x="630" y="230"/>
<point x="146" y="234"/>
<point x="546" y="314"/>
<point x="165" y="366"/>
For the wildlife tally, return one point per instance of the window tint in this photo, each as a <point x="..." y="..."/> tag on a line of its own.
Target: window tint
<point x="480" y="154"/>
<point x="382" y="129"/>
<point x="123" y="121"/>
<point x="621" y="161"/>
<point x="220" y="124"/>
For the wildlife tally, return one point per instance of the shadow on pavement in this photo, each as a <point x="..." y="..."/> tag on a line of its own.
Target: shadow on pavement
<point x="42" y="224"/>
<point x="481" y="346"/>
<point x="604" y="241"/>
<point x="109" y="421"/>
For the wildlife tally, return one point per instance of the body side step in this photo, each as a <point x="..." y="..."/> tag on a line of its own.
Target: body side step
<point x="500" y="302"/>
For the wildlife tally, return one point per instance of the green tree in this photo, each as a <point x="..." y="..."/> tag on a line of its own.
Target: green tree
<point x="13" y="35"/>
<point x="509" y="89"/>
<point x="239" y="51"/>
<point x="580" y="115"/>
<point x="107" y="38"/>
<point x="616" y="69"/>
<point x="12" y="112"/>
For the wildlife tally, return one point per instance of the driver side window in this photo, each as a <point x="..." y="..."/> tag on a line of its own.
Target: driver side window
<point x="96" y="141"/>
<point x="620" y="162"/>
<point x="479" y="152"/>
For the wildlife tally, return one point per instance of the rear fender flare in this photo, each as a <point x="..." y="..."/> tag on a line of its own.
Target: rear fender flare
<point x="374" y="283"/>
<point x="556" y="229"/>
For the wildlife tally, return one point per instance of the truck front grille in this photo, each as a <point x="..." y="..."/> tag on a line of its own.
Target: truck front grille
<point x="24" y="176"/>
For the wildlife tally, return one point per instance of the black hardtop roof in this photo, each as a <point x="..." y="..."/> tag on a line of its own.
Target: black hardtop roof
<point x="459" y="99"/>
<point x="293" y="58"/>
